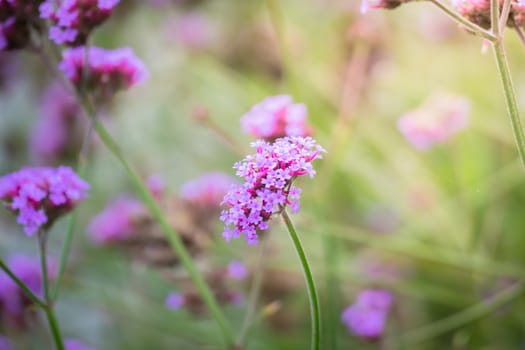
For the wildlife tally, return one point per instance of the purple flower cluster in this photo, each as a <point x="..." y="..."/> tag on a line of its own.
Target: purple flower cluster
<point x="54" y="131"/>
<point x="75" y="344"/>
<point x="275" y="117"/>
<point x="13" y="300"/>
<point x="73" y="20"/>
<point x="269" y="174"/>
<point x="207" y="190"/>
<point x="16" y="17"/>
<point x="117" y="221"/>
<point x="367" y="316"/>
<point x="40" y="195"/>
<point x="109" y="70"/>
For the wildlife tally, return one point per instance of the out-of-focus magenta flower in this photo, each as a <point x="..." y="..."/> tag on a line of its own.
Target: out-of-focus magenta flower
<point x="74" y="20"/>
<point x="5" y="344"/>
<point x="477" y="11"/>
<point x="380" y="4"/>
<point x="16" y="17"/>
<point x="192" y="30"/>
<point x="275" y="117"/>
<point x="175" y="301"/>
<point x="39" y="195"/>
<point x="518" y="11"/>
<point x="156" y="185"/>
<point x="75" y="344"/>
<point x="57" y="120"/>
<point x="435" y="121"/>
<point x="117" y="221"/>
<point x="237" y="270"/>
<point x="13" y="300"/>
<point x="108" y="70"/>
<point x="367" y="316"/>
<point x="207" y="190"/>
<point x="269" y="174"/>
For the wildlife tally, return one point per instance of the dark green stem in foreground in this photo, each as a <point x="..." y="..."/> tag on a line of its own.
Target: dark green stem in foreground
<point x="22" y="285"/>
<point x="155" y="210"/>
<point x="312" y="291"/>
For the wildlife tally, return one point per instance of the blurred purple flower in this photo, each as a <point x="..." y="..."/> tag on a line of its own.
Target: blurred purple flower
<point x="13" y="300"/>
<point x="269" y="174"/>
<point x="74" y="20"/>
<point x="156" y="185"/>
<point x="237" y="270"/>
<point x="55" y="126"/>
<point x="75" y="344"/>
<point x="5" y="344"/>
<point x="192" y="30"/>
<point x="117" y="221"/>
<point x="39" y="195"/>
<point x="16" y="16"/>
<point x="207" y="190"/>
<point x="276" y="116"/>
<point x="109" y="70"/>
<point x="435" y="121"/>
<point x="175" y="301"/>
<point x="367" y="316"/>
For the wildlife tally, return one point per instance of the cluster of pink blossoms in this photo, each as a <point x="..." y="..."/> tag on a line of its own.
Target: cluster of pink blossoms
<point x="269" y="174"/>
<point x="367" y="316"/>
<point x="435" y="121"/>
<point x="275" y="117"/>
<point x="478" y="11"/>
<point x="13" y="301"/>
<point x="40" y="195"/>
<point x="16" y="18"/>
<point x="108" y="70"/>
<point x="208" y="190"/>
<point x="73" y="20"/>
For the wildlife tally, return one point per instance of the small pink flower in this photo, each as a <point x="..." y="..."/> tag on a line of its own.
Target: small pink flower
<point x="435" y="121"/>
<point x="367" y="316"/>
<point x="175" y="301"/>
<point x="237" y="270"/>
<point x="207" y="190"/>
<point x="156" y="185"/>
<point x="275" y="117"/>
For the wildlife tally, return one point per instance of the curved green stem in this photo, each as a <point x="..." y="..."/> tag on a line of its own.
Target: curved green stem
<point x="312" y="291"/>
<point x="462" y="318"/>
<point x="474" y="28"/>
<point x="55" y="330"/>
<point x="155" y="210"/>
<point x="22" y="285"/>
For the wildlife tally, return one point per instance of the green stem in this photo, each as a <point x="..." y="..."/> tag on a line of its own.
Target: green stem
<point x="22" y="285"/>
<point x="48" y="307"/>
<point x="474" y="28"/>
<point x="510" y="97"/>
<point x="462" y="318"/>
<point x="155" y="210"/>
<point x="312" y="291"/>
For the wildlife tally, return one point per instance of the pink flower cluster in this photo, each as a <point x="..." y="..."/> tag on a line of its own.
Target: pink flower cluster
<point x="73" y="20"/>
<point x="435" y="121"/>
<point x="13" y="300"/>
<point x="478" y="11"/>
<point x="54" y="130"/>
<point x="207" y="190"/>
<point x="269" y="174"/>
<point x="117" y="221"/>
<point x="367" y="316"/>
<point x="40" y="195"/>
<point x="108" y="70"/>
<point x="275" y="117"/>
<point x="16" y="16"/>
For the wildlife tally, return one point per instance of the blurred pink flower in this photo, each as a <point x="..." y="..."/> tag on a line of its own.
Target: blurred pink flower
<point x="275" y="117"/>
<point x="192" y="30"/>
<point x="435" y="121"/>
<point x="207" y="190"/>
<point x="175" y="301"/>
<point x="156" y="185"/>
<point x="237" y="270"/>
<point x="367" y="316"/>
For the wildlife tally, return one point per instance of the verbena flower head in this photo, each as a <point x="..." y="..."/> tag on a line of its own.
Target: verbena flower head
<point x="55" y="133"/>
<point x="476" y="11"/>
<point x="207" y="190"/>
<point x="74" y="20"/>
<point x="117" y="221"/>
<point x="175" y="301"/>
<point x="108" y="70"/>
<point x="5" y="344"/>
<point x="269" y="174"/>
<point x="367" y="316"/>
<point x="237" y="270"/>
<point x="40" y="195"/>
<point x="275" y="117"/>
<point x="13" y="301"/>
<point x="16" y="18"/>
<point x="435" y="121"/>
<point x="75" y="344"/>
